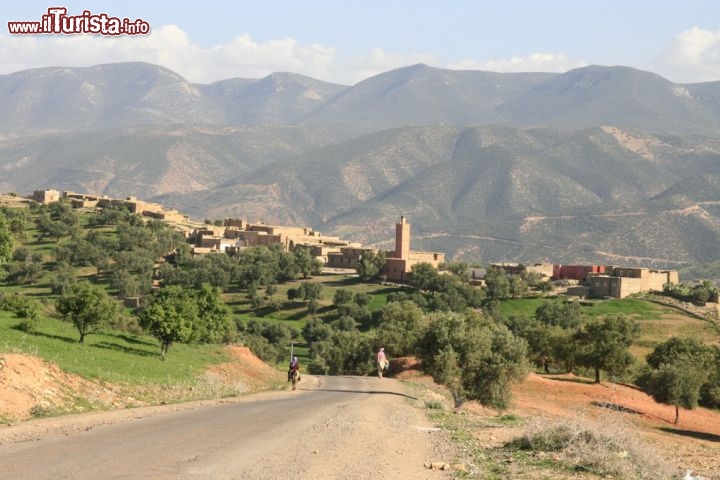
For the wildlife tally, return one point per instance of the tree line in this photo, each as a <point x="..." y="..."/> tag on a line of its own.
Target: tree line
<point x="133" y="256"/>
<point x="453" y="327"/>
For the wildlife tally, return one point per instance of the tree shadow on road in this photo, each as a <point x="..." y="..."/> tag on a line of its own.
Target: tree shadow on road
<point x="371" y="392"/>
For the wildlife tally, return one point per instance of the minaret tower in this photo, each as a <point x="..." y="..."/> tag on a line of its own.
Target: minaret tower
<point x="402" y="239"/>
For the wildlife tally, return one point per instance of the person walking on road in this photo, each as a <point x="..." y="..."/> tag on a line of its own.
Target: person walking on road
<point x="382" y="362"/>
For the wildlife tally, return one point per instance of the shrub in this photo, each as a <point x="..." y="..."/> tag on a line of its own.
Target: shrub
<point x="28" y="325"/>
<point x="41" y="411"/>
<point x="605" y="446"/>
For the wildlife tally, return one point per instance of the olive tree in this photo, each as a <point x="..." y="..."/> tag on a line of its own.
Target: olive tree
<point x="370" y="265"/>
<point x="305" y="262"/>
<point x="424" y="276"/>
<point x="88" y="306"/>
<point x="170" y="316"/>
<point x="603" y="344"/>
<point x="401" y="327"/>
<point x="565" y="314"/>
<point x="679" y="368"/>
<point x="214" y="323"/>
<point x="497" y="283"/>
<point x="342" y="296"/>
<point x="474" y="357"/>
<point x="6" y="240"/>
<point x="343" y="353"/>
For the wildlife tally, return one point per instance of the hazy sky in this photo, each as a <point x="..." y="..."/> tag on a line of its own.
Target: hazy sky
<point x="347" y="41"/>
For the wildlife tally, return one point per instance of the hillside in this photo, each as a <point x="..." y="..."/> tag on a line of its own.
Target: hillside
<point x="620" y="96"/>
<point x="29" y="384"/>
<point x="598" y="164"/>
<point x="423" y="95"/>
<point x="278" y="99"/>
<point x="498" y="192"/>
<point x="479" y="193"/>
<point x="125" y="94"/>
<point x="150" y="161"/>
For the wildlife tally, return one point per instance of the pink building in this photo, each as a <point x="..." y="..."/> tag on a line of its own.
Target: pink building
<point x="575" y="272"/>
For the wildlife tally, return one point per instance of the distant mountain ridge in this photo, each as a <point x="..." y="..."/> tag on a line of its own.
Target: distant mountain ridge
<point x="598" y="164"/>
<point x="131" y="94"/>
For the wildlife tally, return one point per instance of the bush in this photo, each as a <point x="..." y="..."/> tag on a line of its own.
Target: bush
<point x="318" y="366"/>
<point x="263" y="349"/>
<point x="605" y="446"/>
<point x="28" y="325"/>
<point x="41" y="411"/>
<point x="434" y="405"/>
<point x="22" y="307"/>
<point x="128" y="324"/>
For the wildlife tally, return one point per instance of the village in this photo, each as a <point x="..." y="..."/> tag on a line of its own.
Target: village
<point x="350" y="323"/>
<point x="336" y="254"/>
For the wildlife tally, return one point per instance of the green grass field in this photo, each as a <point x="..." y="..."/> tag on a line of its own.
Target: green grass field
<point x="657" y="322"/>
<point x="116" y="357"/>
<point x="135" y="359"/>
<point x="633" y="308"/>
<point x="296" y="314"/>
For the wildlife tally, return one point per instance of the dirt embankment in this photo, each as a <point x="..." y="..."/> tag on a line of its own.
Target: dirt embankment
<point x="31" y="387"/>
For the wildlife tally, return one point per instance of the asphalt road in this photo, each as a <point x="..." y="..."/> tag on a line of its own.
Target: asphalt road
<point x="321" y="430"/>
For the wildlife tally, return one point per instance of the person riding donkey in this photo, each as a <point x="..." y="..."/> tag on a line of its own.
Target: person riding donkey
<point x="294" y="367"/>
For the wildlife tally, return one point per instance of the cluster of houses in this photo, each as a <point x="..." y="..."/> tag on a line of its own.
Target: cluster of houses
<point x="332" y="251"/>
<point x="590" y="281"/>
<point x="83" y="200"/>
<point x="599" y="281"/>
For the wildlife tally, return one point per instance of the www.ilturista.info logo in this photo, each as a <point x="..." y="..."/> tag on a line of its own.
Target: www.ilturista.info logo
<point x="57" y="21"/>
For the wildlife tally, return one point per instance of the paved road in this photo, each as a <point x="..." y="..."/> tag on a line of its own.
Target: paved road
<point x="321" y="431"/>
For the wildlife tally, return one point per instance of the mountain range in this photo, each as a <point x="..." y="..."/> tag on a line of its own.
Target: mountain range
<point x="598" y="164"/>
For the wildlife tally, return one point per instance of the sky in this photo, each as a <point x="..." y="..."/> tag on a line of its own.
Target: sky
<point x="348" y="41"/>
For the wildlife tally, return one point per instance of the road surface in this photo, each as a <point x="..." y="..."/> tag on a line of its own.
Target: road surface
<point x="330" y="428"/>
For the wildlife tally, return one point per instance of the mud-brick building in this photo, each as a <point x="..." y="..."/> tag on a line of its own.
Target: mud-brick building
<point x="348" y="257"/>
<point x="46" y="196"/>
<point x="398" y="263"/>
<point x="576" y="272"/>
<point x="261" y="234"/>
<point x="545" y="270"/>
<point x="619" y="282"/>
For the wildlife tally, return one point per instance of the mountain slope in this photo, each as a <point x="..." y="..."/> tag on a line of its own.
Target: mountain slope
<point x="104" y="96"/>
<point x="620" y="96"/>
<point x="149" y="161"/>
<point x="132" y="94"/>
<point x="599" y="194"/>
<point x="421" y="95"/>
<point x="135" y="93"/>
<point x="278" y="99"/>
